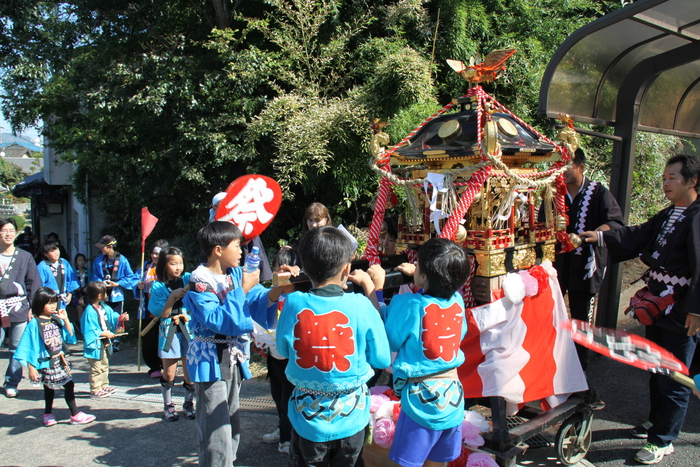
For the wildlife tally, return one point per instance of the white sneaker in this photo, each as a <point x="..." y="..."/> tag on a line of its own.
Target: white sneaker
<point x="283" y="447"/>
<point x="271" y="438"/>
<point x="12" y="392"/>
<point x="652" y="454"/>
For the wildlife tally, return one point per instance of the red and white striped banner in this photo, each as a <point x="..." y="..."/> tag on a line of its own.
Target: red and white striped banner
<point x="521" y="352"/>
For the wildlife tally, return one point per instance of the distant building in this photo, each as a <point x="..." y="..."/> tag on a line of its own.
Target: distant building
<point x="21" y="156"/>
<point x="55" y="208"/>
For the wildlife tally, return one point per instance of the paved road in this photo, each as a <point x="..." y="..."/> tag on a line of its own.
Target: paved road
<point x="129" y="430"/>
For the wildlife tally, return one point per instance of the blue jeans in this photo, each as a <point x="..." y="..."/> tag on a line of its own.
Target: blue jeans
<point x="13" y="375"/>
<point x="669" y="399"/>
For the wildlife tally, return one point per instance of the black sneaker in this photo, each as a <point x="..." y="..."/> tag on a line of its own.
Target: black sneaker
<point x="641" y="431"/>
<point x="190" y="413"/>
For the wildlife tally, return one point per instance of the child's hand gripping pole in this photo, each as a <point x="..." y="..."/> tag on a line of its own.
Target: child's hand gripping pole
<point x="155" y="320"/>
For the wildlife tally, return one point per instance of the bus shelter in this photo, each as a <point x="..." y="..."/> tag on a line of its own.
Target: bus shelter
<point x="636" y="69"/>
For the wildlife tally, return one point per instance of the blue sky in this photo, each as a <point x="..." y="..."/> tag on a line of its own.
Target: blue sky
<point x="6" y="128"/>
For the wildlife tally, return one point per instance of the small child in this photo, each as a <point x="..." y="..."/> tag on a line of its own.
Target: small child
<point x="83" y="275"/>
<point x="426" y="330"/>
<point x="99" y="323"/>
<point x="57" y="273"/>
<point x="332" y="340"/>
<point x="174" y="333"/>
<point x="280" y="387"/>
<point x="221" y="301"/>
<point x="41" y="349"/>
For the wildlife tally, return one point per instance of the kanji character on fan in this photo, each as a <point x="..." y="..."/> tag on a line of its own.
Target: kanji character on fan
<point x="332" y="340"/>
<point x="425" y="329"/>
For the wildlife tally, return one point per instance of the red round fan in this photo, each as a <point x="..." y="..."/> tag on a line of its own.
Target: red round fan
<point x="251" y="202"/>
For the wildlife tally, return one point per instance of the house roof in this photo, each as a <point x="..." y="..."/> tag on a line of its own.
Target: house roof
<point x="35" y="185"/>
<point x="28" y="165"/>
<point x="16" y="151"/>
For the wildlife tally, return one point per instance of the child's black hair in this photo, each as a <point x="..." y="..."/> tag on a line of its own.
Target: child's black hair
<point x="94" y="290"/>
<point x="161" y="243"/>
<point x="446" y="266"/>
<point x="163" y="260"/>
<point x="42" y="297"/>
<point x="286" y="257"/>
<point x="215" y="234"/>
<point x="392" y="226"/>
<point x="49" y="246"/>
<point x="324" y="252"/>
<point x="75" y="260"/>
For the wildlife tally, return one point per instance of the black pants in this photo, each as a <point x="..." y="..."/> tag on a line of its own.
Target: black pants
<point x="68" y="395"/>
<point x="281" y="390"/>
<point x="149" y="349"/>
<point x="344" y="452"/>
<point x="581" y="307"/>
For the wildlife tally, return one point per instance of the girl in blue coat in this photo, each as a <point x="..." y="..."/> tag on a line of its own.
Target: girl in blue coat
<point x="41" y="350"/>
<point x="99" y="323"/>
<point x="173" y="339"/>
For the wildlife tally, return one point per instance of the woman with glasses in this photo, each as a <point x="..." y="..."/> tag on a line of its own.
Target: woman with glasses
<point x="18" y="281"/>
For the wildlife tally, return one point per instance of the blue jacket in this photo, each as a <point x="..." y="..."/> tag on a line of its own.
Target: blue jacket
<point x="426" y="333"/>
<point x="333" y="340"/>
<point x="125" y="277"/>
<point x="230" y="316"/>
<point x="32" y="349"/>
<point x="70" y="281"/>
<point x="90" y="325"/>
<point x="156" y="303"/>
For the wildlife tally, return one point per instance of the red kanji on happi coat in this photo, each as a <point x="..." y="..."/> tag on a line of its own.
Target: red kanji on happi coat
<point x="441" y="331"/>
<point x="323" y="341"/>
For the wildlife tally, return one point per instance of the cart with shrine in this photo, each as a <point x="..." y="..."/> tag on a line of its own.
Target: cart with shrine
<point x="477" y="174"/>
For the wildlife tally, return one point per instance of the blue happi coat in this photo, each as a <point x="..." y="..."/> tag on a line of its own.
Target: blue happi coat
<point x="230" y="315"/>
<point x="70" y="279"/>
<point x="32" y="349"/>
<point x="125" y="277"/>
<point x="90" y="325"/>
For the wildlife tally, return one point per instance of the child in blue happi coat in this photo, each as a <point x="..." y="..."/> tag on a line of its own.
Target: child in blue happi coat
<point x="57" y="273"/>
<point x="333" y="340"/>
<point x="425" y="329"/>
<point x="222" y="302"/>
<point x="99" y="323"/>
<point x="41" y="350"/>
<point x="174" y="336"/>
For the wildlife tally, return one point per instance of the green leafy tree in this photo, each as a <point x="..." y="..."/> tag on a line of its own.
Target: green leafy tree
<point x="162" y="106"/>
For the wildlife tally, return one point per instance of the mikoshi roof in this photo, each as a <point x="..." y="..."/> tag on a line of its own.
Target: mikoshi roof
<point x="596" y="63"/>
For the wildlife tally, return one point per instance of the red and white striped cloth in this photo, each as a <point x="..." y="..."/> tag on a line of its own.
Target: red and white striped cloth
<point x="520" y="352"/>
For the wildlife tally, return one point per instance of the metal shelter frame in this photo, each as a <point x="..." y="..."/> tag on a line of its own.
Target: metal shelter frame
<point x="648" y="80"/>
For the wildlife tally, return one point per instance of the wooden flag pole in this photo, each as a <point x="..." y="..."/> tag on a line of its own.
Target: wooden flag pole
<point x="148" y="222"/>
<point x="143" y="291"/>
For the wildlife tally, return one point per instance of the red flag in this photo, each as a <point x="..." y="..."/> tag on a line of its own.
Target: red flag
<point x="148" y="222"/>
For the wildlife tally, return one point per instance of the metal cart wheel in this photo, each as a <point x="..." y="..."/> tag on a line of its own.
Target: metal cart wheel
<point x="574" y="438"/>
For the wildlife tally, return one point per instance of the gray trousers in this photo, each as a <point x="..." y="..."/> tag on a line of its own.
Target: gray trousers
<point x="218" y="421"/>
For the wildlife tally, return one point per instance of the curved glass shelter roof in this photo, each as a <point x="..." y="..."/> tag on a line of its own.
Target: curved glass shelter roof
<point x="593" y="68"/>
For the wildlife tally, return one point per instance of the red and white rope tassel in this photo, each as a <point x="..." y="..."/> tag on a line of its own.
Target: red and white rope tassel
<point x="372" y="251"/>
